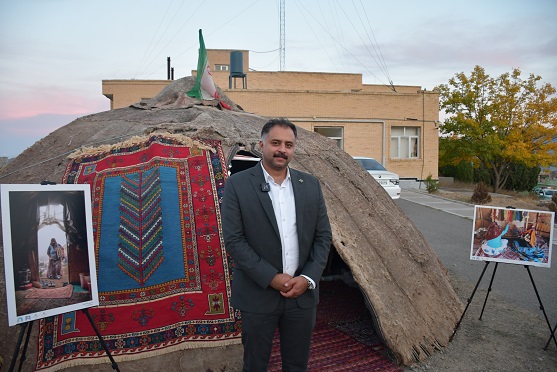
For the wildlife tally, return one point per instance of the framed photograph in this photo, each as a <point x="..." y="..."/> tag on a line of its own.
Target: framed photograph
<point x="509" y="235"/>
<point x="49" y="255"/>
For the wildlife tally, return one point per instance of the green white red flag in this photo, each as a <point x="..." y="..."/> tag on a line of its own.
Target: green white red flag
<point x="204" y="85"/>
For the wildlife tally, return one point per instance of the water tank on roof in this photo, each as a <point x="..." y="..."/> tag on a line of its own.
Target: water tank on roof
<point x="236" y="63"/>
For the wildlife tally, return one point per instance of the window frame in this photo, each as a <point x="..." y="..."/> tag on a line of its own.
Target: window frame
<point x="221" y="67"/>
<point x="412" y="140"/>
<point x="338" y="140"/>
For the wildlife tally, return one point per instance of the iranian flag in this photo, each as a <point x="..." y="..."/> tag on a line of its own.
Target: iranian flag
<point x="204" y="85"/>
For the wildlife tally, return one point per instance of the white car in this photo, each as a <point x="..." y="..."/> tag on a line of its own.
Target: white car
<point x="389" y="180"/>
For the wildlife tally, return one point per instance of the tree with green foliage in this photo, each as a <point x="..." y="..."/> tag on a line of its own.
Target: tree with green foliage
<point x="496" y="122"/>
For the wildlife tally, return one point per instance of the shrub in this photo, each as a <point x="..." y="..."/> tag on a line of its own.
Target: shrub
<point x="553" y="207"/>
<point x="522" y="178"/>
<point x="463" y="171"/>
<point x="480" y="195"/>
<point x="431" y="184"/>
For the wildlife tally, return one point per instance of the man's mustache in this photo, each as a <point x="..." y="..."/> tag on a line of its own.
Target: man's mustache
<point x="280" y="155"/>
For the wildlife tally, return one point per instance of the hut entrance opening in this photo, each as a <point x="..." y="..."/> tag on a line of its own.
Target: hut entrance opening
<point x="242" y="160"/>
<point x="53" y="266"/>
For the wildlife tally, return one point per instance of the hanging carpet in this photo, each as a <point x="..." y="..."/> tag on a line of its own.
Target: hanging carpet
<point x="163" y="274"/>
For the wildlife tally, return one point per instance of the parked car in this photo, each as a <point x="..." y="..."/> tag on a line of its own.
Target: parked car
<point x="389" y="180"/>
<point x="546" y="194"/>
<point x="536" y="190"/>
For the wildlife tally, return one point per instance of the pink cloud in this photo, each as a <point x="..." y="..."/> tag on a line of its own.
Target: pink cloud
<point x="48" y="101"/>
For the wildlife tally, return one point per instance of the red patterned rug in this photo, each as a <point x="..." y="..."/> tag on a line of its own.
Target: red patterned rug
<point x="163" y="274"/>
<point x="344" y="338"/>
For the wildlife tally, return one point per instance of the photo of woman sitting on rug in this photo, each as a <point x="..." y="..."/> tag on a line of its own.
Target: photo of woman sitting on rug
<point x="511" y="235"/>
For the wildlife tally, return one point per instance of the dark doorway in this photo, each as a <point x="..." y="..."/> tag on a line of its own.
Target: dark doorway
<point x="242" y="160"/>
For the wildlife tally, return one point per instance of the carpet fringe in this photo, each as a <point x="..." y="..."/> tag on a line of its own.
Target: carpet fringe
<point x="101" y="359"/>
<point x="135" y="140"/>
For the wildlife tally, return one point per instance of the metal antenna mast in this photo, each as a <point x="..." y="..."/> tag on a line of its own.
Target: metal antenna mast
<point x="282" y="33"/>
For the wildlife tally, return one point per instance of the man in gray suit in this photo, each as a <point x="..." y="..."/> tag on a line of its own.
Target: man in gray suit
<point x="277" y="231"/>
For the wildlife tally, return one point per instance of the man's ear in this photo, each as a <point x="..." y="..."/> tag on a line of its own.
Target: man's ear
<point x="260" y="145"/>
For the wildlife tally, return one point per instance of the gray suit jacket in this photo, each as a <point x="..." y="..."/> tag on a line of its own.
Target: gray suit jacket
<point x="251" y="237"/>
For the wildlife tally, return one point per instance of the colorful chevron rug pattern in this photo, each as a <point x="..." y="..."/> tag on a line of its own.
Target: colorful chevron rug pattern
<point x="163" y="274"/>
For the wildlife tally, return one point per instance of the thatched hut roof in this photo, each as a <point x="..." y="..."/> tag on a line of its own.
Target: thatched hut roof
<point x="404" y="283"/>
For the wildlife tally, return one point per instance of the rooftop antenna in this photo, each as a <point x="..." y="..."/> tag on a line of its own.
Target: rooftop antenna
<point x="281" y="43"/>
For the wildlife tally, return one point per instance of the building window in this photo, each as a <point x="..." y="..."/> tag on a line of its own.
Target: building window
<point x="221" y="67"/>
<point x="405" y="142"/>
<point x="334" y="133"/>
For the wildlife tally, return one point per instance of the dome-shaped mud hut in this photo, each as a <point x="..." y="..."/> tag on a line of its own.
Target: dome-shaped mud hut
<point x="404" y="285"/>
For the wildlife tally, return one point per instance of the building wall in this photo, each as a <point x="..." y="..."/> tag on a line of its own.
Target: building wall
<point x="365" y="112"/>
<point x="123" y="93"/>
<point x="291" y="80"/>
<point x="222" y="57"/>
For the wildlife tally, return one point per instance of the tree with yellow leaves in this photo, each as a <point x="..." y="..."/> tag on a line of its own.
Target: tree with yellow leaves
<point x="499" y="121"/>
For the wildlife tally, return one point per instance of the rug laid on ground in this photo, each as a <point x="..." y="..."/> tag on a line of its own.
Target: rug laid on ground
<point x="61" y="292"/>
<point x="163" y="274"/>
<point x="344" y="338"/>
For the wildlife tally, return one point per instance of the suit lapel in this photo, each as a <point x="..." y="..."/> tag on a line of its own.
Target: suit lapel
<point x="299" y="190"/>
<point x="257" y="179"/>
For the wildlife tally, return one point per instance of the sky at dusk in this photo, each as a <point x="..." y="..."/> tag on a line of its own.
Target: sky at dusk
<point x="54" y="54"/>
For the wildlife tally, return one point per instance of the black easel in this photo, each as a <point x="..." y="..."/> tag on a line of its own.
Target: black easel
<point x="18" y="346"/>
<point x="469" y="301"/>
<point x="30" y="324"/>
<point x="105" y="347"/>
<point x="552" y="336"/>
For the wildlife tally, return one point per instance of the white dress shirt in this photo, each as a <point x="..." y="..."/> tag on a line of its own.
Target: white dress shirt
<point x="284" y="206"/>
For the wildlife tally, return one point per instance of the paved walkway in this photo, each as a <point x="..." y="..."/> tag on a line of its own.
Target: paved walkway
<point x="455" y="207"/>
<point x="422" y="197"/>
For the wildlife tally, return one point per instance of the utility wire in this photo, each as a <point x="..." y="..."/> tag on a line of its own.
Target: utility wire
<point x="377" y="44"/>
<point x="177" y="32"/>
<point x="194" y="45"/>
<point x="343" y="47"/>
<point x="362" y="40"/>
<point x="264" y="67"/>
<point x="375" y="53"/>
<point x="255" y="68"/>
<point x="145" y="55"/>
<point x="335" y="26"/>
<point x="268" y="51"/>
<point x="313" y="32"/>
<point x="341" y="53"/>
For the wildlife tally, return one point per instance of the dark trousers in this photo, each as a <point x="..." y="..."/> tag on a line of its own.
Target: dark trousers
<point x="54" y="268"/>
<point x="295" y="327"/>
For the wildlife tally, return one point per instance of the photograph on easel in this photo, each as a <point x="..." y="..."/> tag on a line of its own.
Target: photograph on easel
<point x="511" y="235"/>
<point x="48" y="250"/>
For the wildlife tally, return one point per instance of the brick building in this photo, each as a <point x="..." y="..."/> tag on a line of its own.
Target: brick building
<point x="397" y="127"/>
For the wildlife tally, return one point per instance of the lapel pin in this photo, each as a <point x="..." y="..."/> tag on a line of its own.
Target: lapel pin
<point x="301" y="180"/>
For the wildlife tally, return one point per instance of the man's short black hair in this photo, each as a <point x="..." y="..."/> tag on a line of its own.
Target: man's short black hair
<point x="283" y="122"/>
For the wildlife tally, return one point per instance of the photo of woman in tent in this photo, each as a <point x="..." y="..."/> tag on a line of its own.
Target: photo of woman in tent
<point x="512" y="236"/>
<point x="55" y="253"/>
<point x="48" y="247"/>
